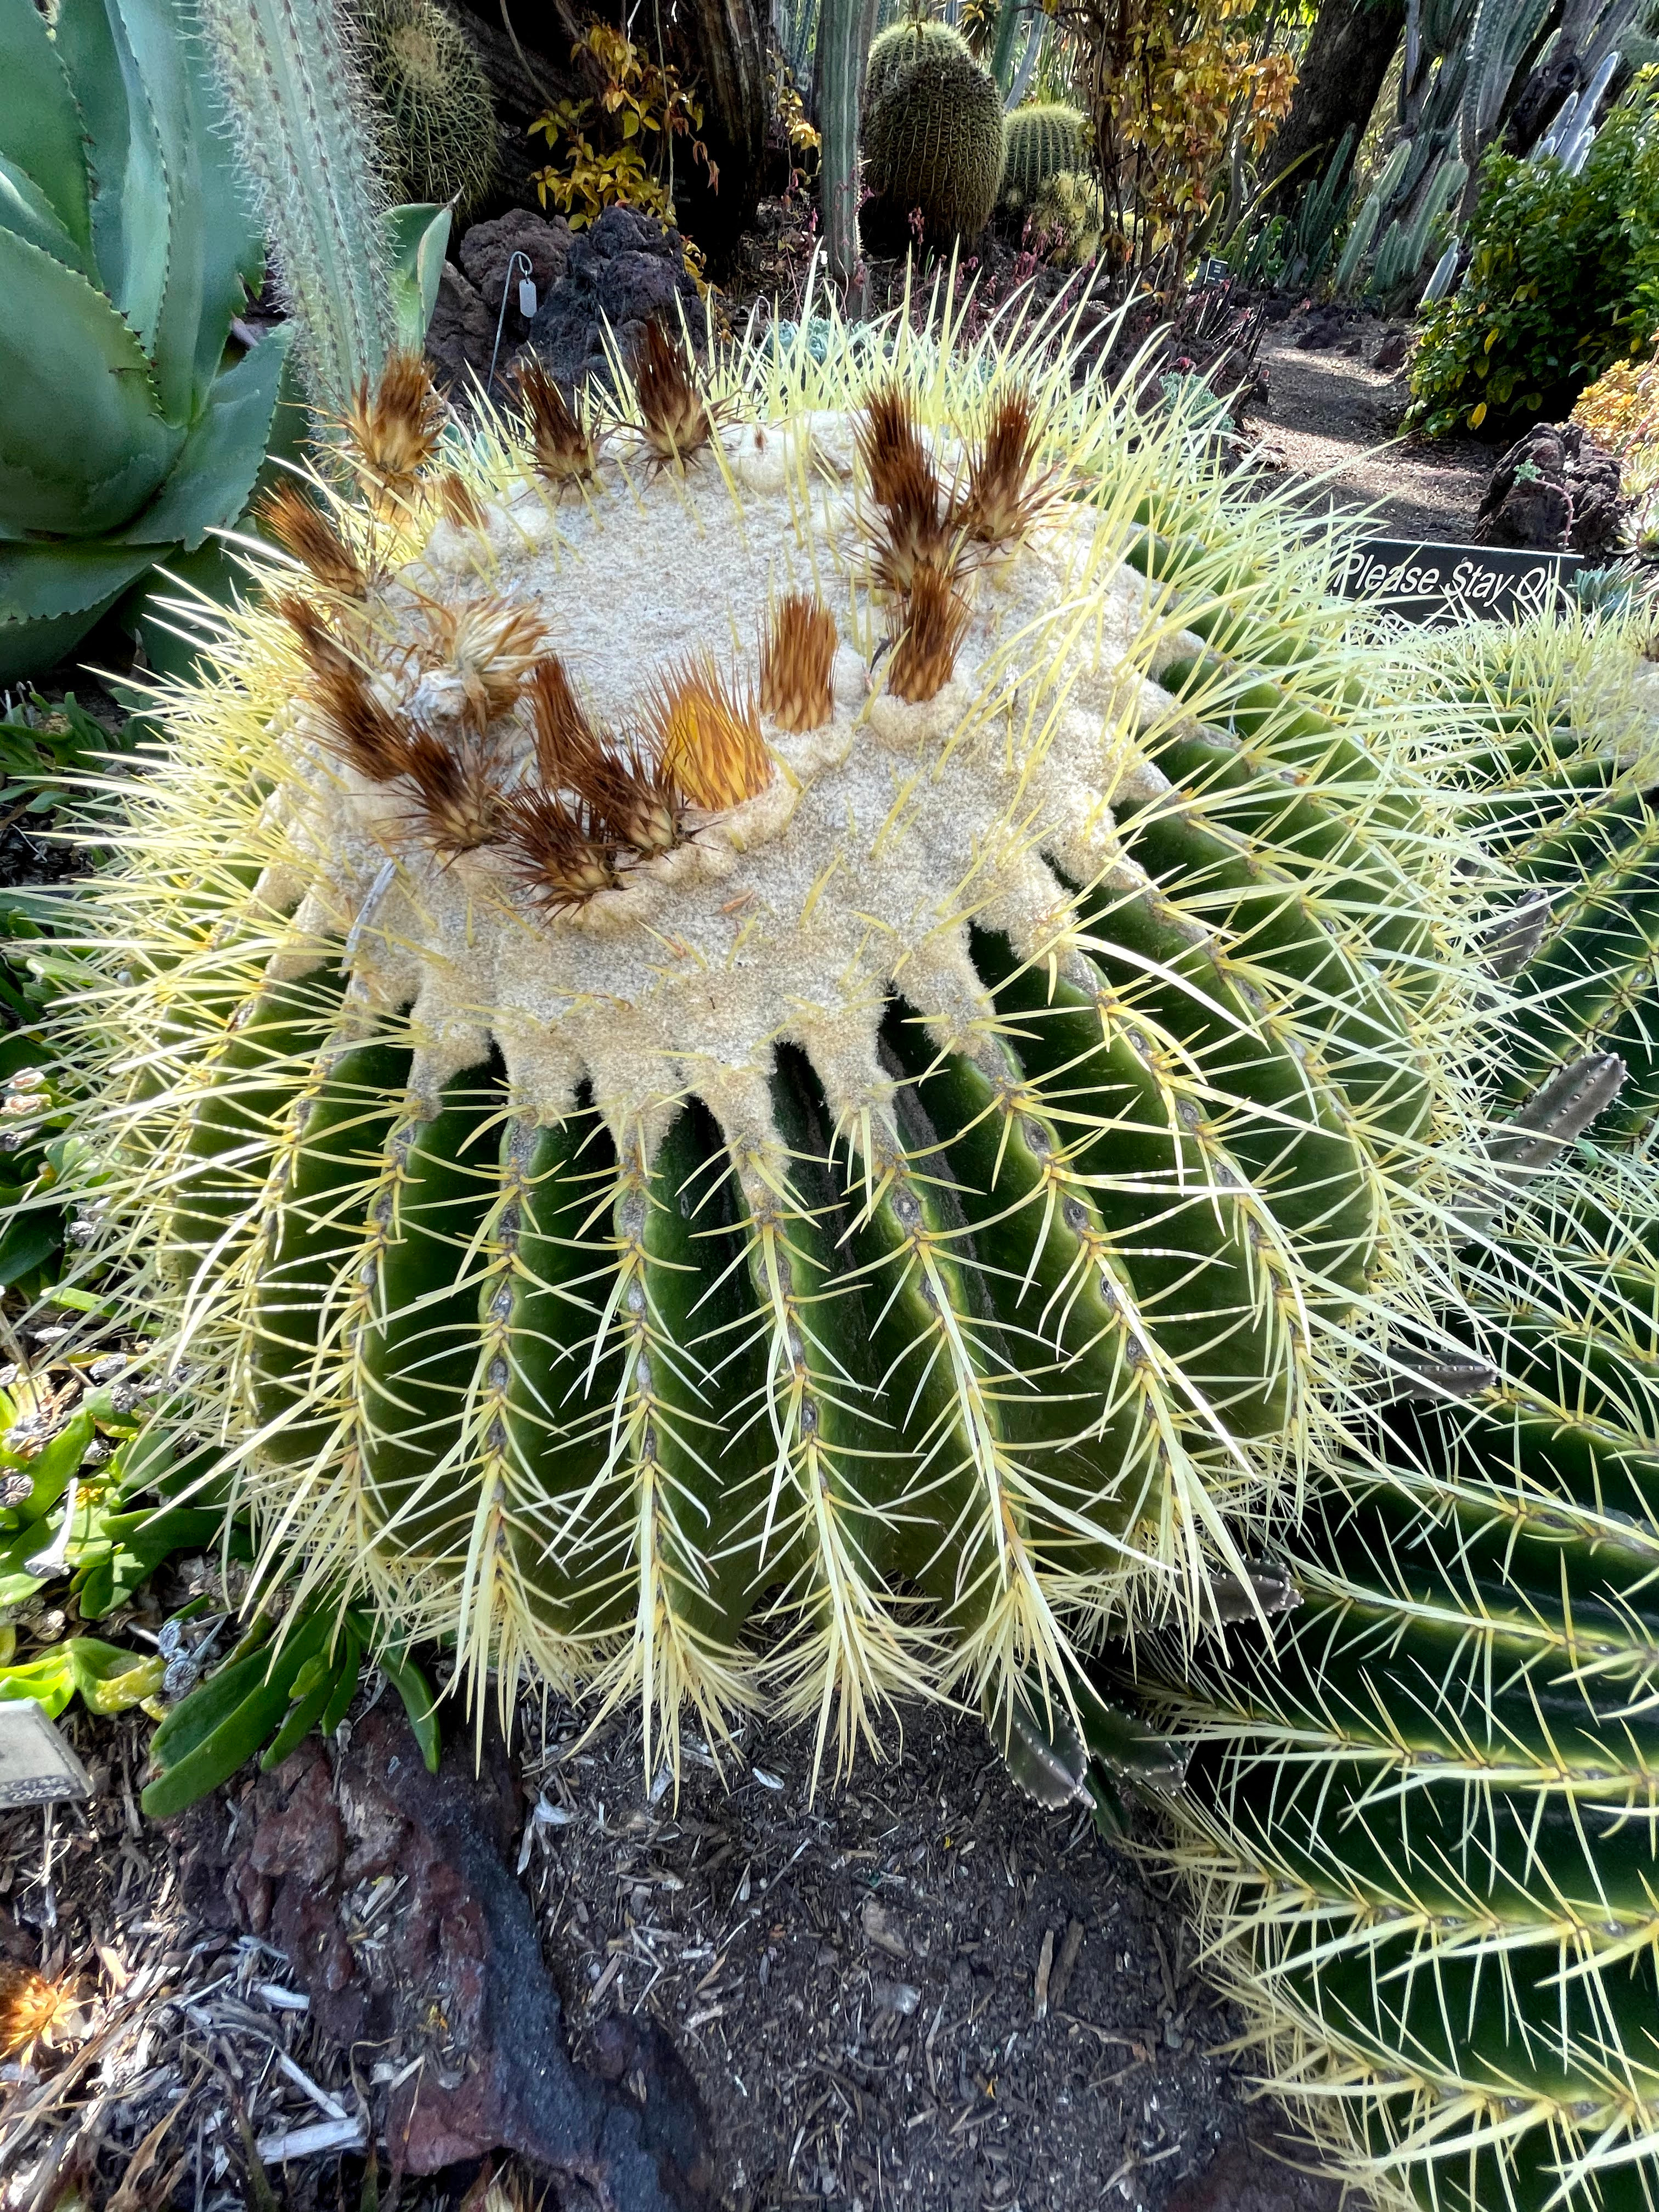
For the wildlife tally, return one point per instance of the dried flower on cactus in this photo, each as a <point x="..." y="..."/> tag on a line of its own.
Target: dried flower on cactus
<point x="925" y="657"/>
<point x="459" y="796"/>
<point x="1004" y="496"/>
<point x="356" y="723"/>
<point x="561" y="445"/>
<point x="32" y="2009"/>
<point x="677" y="420"/>
<point x="796" y="659"/>
<point x="631" y="797"/>
<point x="483" y="651"/>
<point x="904" y="485"/>
<point x="302" y="528"/>
<point x="707" y="733"/>
<point x="557" y="849"/>
<point x="394" y="432"/>
<point x="457" y="502"/>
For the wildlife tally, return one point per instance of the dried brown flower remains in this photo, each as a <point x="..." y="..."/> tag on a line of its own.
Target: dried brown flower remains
<point x="1005" y="496"/>
<point x="302" y="528"/>
<point x="925" y="656"/>
<point x="797" y="660"/>
<point x="32" y="2009"/>
<point x="395" y="432"/>
<point x="458" y="502"/>
<point x="488" y="645"/>
<point x="562" y="445"/>
<point x="677" y="420"/>
<point x="632" y="798"/>
<point x="459" y="803"/>
<point x="557" y="849"/>
<point x="904" y="485"/>
<point x="361" y="727"/>
<point x="708" y="734"/>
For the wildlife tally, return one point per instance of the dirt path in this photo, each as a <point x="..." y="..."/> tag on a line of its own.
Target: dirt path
<point x="1332" y="417"/>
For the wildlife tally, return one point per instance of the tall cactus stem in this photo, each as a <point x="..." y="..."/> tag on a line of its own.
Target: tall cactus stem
<point x="845" y="30"/>
<point x="292" y="83"/>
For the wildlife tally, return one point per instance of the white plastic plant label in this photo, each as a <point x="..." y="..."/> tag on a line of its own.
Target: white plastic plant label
<point x="526" y="296"/>
<point x="37" y="1767"/>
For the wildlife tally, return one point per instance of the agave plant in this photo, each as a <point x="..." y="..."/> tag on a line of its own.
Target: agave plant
<point x="1419" y="1822"/>
<point x="126" y="247"/>
<point x="727" y="1096"/>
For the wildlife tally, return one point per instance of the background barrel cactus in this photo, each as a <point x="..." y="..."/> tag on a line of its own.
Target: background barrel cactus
<point x="438" y="119"/>
<point x="932" y="131"/>
<point x="1419" y="1822"/>
<point x="800" y="1142"/>
<point x="1040" y="142"/>
<point x="126" y="246"/>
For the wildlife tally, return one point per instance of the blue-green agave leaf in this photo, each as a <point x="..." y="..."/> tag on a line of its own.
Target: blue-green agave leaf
<point x="82" y="445"/>
<point x="25" y="208"/>
<point x="130" y="211"/>
<point x="40" y="127"/>
<point x="418" y="235"/>
<point x="32" y="644"/>
<point x="41" y="582"/>
<point x="210" y="482"/>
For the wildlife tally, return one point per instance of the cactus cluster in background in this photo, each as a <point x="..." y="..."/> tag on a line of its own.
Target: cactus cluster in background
<point x="126" y="247"/>
<point x="843" y="1111"/>
<point x="933" y="130"/>
<point x="429" y="87"/>
<point x="1043" y="141"/>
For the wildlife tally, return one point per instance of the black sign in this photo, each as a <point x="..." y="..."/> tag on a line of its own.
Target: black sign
<point x="1423" y="583"/>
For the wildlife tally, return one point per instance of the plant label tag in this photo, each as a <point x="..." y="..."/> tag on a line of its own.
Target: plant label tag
<point x="1438" y="585"/>
<point x="526" y="297"/>
<point x="37" y="1767"/>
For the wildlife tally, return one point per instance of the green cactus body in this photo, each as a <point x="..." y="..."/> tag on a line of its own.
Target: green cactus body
<point x="440" y="122"/>
<point x="125" y="250"/>
<point x="860" y="1247"/>
<point x="1039" y="142"/>
<point x="1420" y="1824"/>
<point x="933" y="130"/>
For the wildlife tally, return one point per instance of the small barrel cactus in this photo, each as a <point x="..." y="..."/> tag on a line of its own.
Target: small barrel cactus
<point x="932" y="131"/>
<point x="729" y="1098"/>
<point x="1047" y="140"/>
<point x="1419" y="1820"/>
<point x="438" y="119"/>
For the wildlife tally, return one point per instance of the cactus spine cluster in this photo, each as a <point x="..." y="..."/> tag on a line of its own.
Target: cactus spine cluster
<point x="1421" y="1823"/>
<point x="431" y="89"/>
<point x="845" y="1112"/>
<point x="933" y="130"/>
<point x="1040" y="141"/>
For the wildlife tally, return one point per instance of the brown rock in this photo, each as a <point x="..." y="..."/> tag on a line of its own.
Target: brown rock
<point x="487" y="248"/>
<point x="1391" y="354"/>
<point x="460" y="335"/>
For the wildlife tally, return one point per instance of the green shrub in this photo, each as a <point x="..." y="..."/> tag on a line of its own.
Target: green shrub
<point x="1564" y="280"/>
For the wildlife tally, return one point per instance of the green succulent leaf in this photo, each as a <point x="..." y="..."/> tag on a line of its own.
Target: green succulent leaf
<point x="46" y="582"/>
<point x="109" y="1678"/>
<point x="417" y="236"/>
<point x="26" y="209"/>
<point x="39" y="129"/>
<point x="210" y="482"/>
<point x="131" y="233"/>
<point x="30" y="643"/>
<point x="81" y="444"/>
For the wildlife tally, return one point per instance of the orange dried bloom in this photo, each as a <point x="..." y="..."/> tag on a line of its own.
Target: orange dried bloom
<point x="630" y="795"/>
<point x="458" y="502"/>
<point x="925" y="656"/>
<point x="302" y="528"/>
<point x="904" y="485"/>
<point x="32" y="2009"/>
<point x="797" y="660"/>
<point x="490" y="646"/>
<point x="708" y="734"/>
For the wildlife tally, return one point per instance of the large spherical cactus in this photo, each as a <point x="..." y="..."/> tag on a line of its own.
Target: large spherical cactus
<point x="727" y="1096"/>
<point x="1562" y="794"/>
<point x="1039" y="142"/>
<point x="439" y="118"/>
<point x="932" y="131"/>
<point x="1420" y="1820"/>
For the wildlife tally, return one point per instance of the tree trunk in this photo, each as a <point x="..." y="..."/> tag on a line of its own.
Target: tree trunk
<point x="723" y="43"/>
<point x="1348" y="54"/>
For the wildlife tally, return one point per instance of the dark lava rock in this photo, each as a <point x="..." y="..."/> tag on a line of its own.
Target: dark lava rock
<point x="390" y="1892"/>
<point x="487" y="248"/>
<point x="1554" y="488"/>
<point x="1323" y="329"/>
<point x="1391" y="354"/>
<point x="460" y="335"/>
<point x="626" y="271"/>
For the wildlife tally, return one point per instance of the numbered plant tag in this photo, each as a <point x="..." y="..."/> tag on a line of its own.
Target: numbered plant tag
<point x="37" y="1767"/>
<point x="526" y="297"/>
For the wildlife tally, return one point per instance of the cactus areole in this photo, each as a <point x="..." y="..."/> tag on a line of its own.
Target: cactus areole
<point x="733" y="1099"/>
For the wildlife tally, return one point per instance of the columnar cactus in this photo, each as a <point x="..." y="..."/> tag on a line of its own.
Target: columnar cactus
<point x="1420" y="1819"/>
<point x="728" y="1097"/>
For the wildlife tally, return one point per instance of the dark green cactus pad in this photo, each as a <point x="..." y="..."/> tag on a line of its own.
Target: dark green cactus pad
<point x="933" y="134"/>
